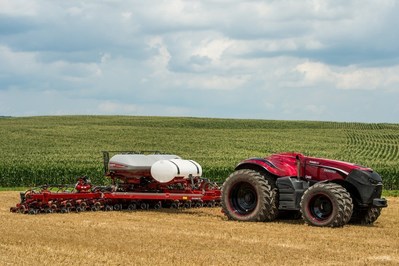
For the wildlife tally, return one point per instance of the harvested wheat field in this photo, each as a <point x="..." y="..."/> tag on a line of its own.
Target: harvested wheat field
<point x="194" y="236"/>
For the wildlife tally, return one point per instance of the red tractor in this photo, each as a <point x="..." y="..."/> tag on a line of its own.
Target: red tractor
<point x="326" y="192"/>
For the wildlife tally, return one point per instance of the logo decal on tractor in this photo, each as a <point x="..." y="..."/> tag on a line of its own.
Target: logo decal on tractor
<point x="329" y="171"/>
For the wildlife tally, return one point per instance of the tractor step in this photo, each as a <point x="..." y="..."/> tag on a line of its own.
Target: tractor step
<point x="290" y="190"/>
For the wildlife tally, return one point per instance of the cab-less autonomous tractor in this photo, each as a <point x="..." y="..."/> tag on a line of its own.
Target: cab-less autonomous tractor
<point x="326" y="192"/>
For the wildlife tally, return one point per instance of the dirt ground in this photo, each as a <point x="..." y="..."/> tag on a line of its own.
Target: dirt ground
<point x="188" y="237"/>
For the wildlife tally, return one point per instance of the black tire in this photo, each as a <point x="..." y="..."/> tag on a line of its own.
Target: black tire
<point x="96" y="206"/>
<point x="247" y="195"/>
<point x="132" y="206"/>
<point x="187" y="204"/>
<point x="198" y="204"/>
<point x="83" y="206"/>
<point x="117" y="207"/>
<point x="158" y="205"/>
<point x="210" y="204"/>
<point x="365" y="217"/>
<point x="22" y="209"/>
<point x="144" y="206"/>
<point x="326" y="204"/>
<point x="174" y="205"/>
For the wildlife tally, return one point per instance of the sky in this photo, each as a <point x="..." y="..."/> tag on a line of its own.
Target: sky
<point x="327" y="60"/>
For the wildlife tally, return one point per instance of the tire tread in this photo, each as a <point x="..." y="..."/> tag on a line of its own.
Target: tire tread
<point x="268" y="210"/>
<point x="340" y="194"/>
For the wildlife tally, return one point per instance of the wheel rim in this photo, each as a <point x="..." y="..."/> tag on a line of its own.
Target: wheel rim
<point x="321" y="207"/>
<point x="243" y="198"/>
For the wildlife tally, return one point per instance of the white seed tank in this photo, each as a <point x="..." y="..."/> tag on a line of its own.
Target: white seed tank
<point x="165" y="171"/>
<point x="136" y="162"/>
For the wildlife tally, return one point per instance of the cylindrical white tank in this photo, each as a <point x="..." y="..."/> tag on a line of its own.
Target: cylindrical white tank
<point x="165" y="171"/>
<point x="139" y="164"/>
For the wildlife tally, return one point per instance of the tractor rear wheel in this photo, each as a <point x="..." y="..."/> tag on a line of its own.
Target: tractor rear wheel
<point x="248" y="195"/>
<point x="326" y="204"/>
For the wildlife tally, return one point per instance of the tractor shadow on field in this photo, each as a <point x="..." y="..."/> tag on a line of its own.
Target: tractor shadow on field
<point x="289" y="217"/>
<point x="284" y="217"/>
<point x="198" y="212"/>
<point x="214" y="212"/>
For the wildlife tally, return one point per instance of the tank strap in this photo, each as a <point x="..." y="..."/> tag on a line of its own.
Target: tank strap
<point x="198" y="171"/>
<point x="178" y="169"/>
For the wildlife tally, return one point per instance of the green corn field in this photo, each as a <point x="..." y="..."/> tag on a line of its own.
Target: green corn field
<point x="57" y="149"/>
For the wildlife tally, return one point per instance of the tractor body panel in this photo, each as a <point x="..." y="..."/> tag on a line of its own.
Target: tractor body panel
<point x="318" y="169"/>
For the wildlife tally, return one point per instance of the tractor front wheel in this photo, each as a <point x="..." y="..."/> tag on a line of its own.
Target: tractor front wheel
<point x="326" y="204"/>
<point x="247" y="195"/>
<point x="365" y="217"/>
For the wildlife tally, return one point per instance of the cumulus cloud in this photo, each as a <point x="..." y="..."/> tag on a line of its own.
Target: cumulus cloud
<point x="352" y="77"/>
<point x="252" y="59"/>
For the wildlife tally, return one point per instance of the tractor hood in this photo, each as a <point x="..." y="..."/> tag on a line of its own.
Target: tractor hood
<point x="285" y="164"/>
